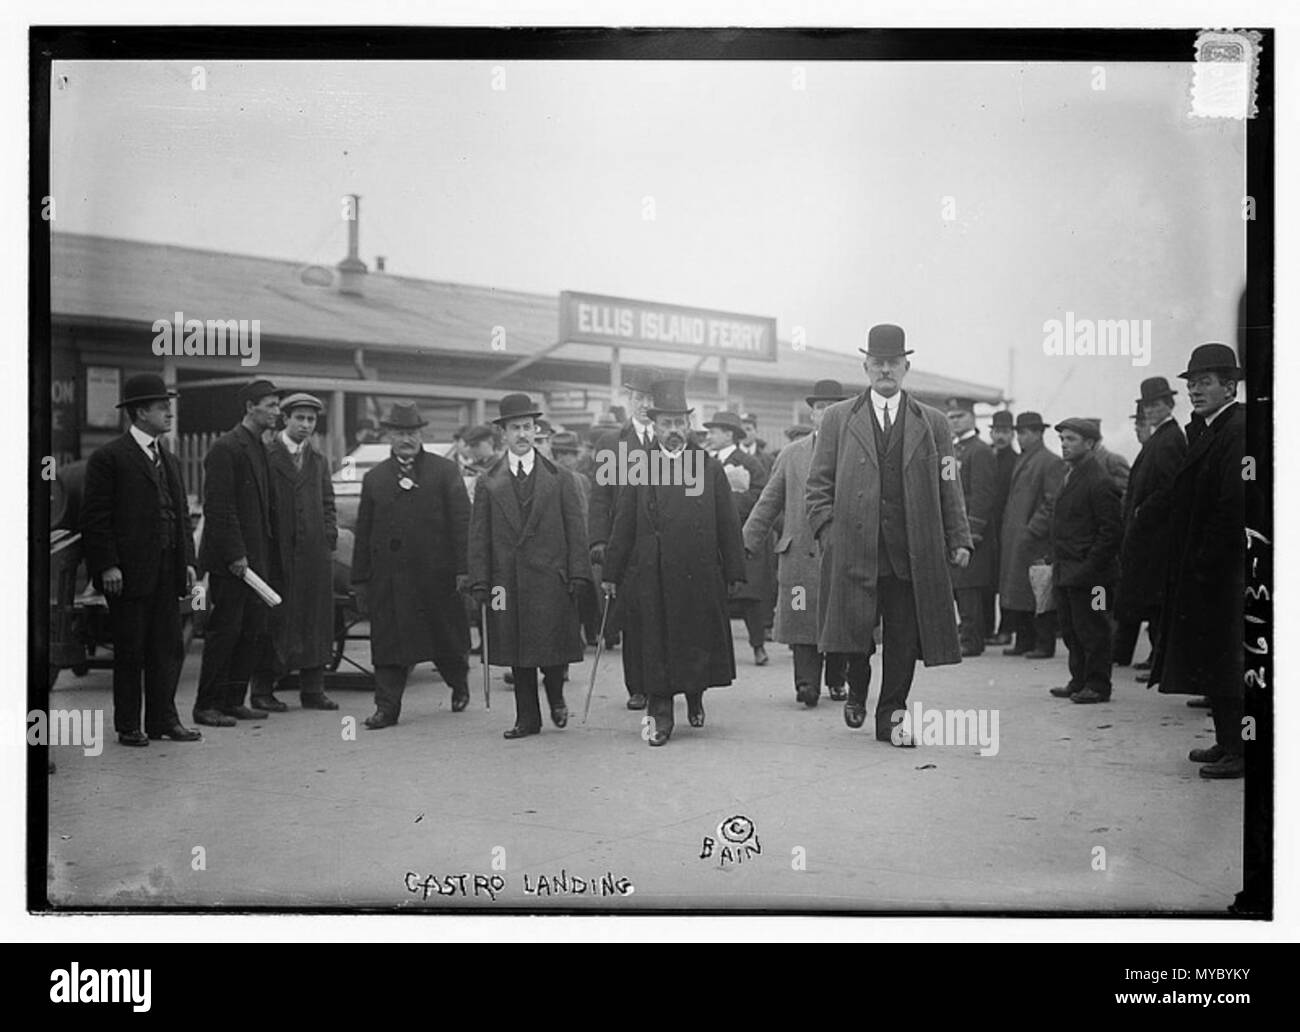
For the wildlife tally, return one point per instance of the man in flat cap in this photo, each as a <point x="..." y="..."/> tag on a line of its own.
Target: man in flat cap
<point x="139" y="552"/>
<point x="674" y="556"/>
<point x="636" y="434"/>
<point x="886" y="506"/>
<point x="1199" y="648"/>
<point x="1144" y="556"/>
<point x="1026" y="533"/>
<point x="238" y="536"/>
<point x="798" y="565"/>
<point x="410" y="566"/>
<point x="1002" y="438"/>
<point x="979" y="485"/>
<point x="747" y="478"/>
<point x="1085" y="540"/>
<point x="306" y="533"/>
<point x="528" y="561"/>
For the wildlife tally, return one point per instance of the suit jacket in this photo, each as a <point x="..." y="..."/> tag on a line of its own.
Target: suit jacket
<point x="1086" y="529"/>
<point x="606" y="488"/>
<point x="121" y="519"/>
<point x="1144" y="556"/>
<point x="237" y="517"/>
<point x="979" y="488"/>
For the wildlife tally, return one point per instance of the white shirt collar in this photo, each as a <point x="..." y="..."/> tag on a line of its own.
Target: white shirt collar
<point x="880" y="402"/>
<point x="1168" y="419"/>
<point x="1208" y="419"/>
<point x="290" y="443"/>
<point x="643" y="430"/>
<point x="967" y="435"/>
<point x="725" y="453"/>
<point x="749" y="447"/>
<point x="143" y="440"/>
<point x="525" y="460"/>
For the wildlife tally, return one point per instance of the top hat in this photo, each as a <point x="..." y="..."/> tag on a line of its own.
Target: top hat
<point x="1002" y="419"/>
<point x="516" y="406"/>
<point x="826" y="390"/>
<point x="256" y="390"/>
<point x="1154" y="388"/>
<point x="885" y="341"/>
<point x="404" y="415"/>
<point x="144" y="387"/>
<point x="1030" y="421"/>
<point x="1082" y="427"/>
<point x="669" y="399"/>
<point x="1213" y="358"/>
<point x="565" y="441"/>
<point x="961" y="405"/>
<point x="641" y="379"/>
<point x="728" y="420"/>
<point x="301" y="399"/>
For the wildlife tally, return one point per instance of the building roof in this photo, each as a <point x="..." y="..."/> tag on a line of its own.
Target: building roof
<point x="131" y="282"/>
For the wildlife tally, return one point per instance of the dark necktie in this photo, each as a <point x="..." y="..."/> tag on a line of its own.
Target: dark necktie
<point x="297" y="458"/>
<point x="888" y="424"/>
<point x="153" y="454"/>
<point x="519" y="472"/>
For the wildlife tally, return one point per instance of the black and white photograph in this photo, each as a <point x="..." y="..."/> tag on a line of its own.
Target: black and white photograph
<point x="667" y="471"/>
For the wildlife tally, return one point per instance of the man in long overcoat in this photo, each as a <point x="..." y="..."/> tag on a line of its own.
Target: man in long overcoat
<point x="528" y="561"/>
<point x="1026" y="538"/>
<point x="306" y="532"/>
<point x="1002" y="436"/>
<point x="979" y="488"/>
<point x="409" y="566"/>
<point x="890" y="523"/>
<point x="798" y="565"/>
<point x="1199" y="648"/>
<point x="674" y="556"/>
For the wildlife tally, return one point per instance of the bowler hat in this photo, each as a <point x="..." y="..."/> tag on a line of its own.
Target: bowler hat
<point x="1030" y="421"/>
<point x="729" y="421"/>
<point x="669" y="399"/>
<point x="516" y="406"/>
<point x="1082" y="427"/>
<point x="256" y="390"/>
<point x="404" y="415"/>
<point x="826" y="390"/>
<point x="1154" y="388"/>
<point x="885" y="341"/>
<point x="961" y="405"/>
<point x="301" y="399"/>
<point x="144" y="387"/>
<point x="641" y="379"/>
<point x="1002" y="419"/>
<point x="1213" y="358"/>
<point x="565" y="441"/>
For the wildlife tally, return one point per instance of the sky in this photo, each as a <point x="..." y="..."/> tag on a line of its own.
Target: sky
<point x="971" y="203"/>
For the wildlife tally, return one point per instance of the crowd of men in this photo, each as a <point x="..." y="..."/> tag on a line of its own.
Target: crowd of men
<point x="883" y="524"/>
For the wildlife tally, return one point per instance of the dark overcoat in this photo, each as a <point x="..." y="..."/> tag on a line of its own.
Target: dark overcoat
<point x="1144" y="556"/>
<point x="306" y="531"/>
<point x="1027" y="523"/>
<point x="798" y="565"/>
<point x="843" y="502"/>
<point x="533" y="555"/>
<point x="672" y="556"/>
<point x="979" y="491"/>
<point x="121" y="520"/>
<point x="1199" y="650"/>
<point x="410" y="545"/>
<point x="606" y="486"/>
<point x="1086" y="529"/>
<point x="237" y="506"/>
<point x="758" y="565"/>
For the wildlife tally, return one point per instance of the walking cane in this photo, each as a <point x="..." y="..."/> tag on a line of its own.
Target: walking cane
<point x="600" y="648"/>
<point x="487" y="677"/>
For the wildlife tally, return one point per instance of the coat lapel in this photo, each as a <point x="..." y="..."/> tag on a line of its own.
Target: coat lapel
<point x="278" y="458"/>
<point x="138" y="454"/>
<point x="544" y="485"/>
<point x="915" y="428"/>
<point x="247" y="444"/>
<point x="498" y="482"/>
<point x="862" y="425"/>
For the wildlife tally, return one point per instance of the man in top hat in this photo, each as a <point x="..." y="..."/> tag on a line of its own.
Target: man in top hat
<point x="1198" y="650"/>
<point x="1085" y="537"/>
<point x="528" y="561"/>
<point x="1144" y="557"/>
<point x="890" y="523"/>
<point x="1026" y="539"/>
<point x="306" y="533"/>
<point x="238" y="534"/>
<point x="1002" y="436"/>
<point x="747" y="478"/>
<point x="636" y="434"/>
<point x="979" y="487"/>
<point x="674" y="556"/>
<point x="139" y="552"/>
<point x="798" y="565"/>
<point x="410" y="566"/>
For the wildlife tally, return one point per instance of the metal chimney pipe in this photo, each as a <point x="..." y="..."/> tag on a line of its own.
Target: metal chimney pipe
<point x="352" y="268"/>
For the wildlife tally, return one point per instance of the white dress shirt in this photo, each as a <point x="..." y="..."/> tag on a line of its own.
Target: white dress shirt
<point x="1215" y="414"/>
<point x="146" y="442"/>
<point x="880" y="403"/>
<point x="722" y="454"/>
<point x="289" y="443"/>
<point x="645" y="432"/>
<point x="525" y="460"/>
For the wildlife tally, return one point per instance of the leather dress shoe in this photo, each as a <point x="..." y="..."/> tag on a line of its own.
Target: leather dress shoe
<point x="903" y="740"/>
<point x="1211" y="755"/>
<point x="1144" y="665"/>
<point x="1200" y="702"/>
<point x="855" y="713"/>
<point x="559" y="715"/>
<point x="377" y="721"/>
<point x="508" y="677"/>
<point x="658" y="738"/>
<point x="244" y="713"/>
<point x="636" y="700"/>
<point x="1040" y="654"/>
<point x="695" y="713"/>
<point x="269" y="703"/>
<point x="967" y="651"/>
<point x="760" y="656"/>
<point x="1014" y="650"/>
<point x="213" y="718"/>
<point x="808" y="694"/>
<point x="838" y="692"/>
<point x="1142" y="678"/>
<point x="459" y="700"/>
<point x="177" y="733"/>
<point x="136" y="738"/>
<point x="1226" y="766"/>
<point x="318" y="700"/>
<point x="1063" y="692"/>
<point x="1088" y="696"/>
<point x="521" y="732"/>
<point x="998" y="639"/>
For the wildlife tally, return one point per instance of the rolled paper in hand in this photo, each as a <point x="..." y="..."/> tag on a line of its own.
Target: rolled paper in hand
<point x="264" y="591"/>
<point x="737" y="477"/>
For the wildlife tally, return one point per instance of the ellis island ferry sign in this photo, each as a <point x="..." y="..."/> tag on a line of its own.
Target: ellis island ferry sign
<point x="618" y="321"/>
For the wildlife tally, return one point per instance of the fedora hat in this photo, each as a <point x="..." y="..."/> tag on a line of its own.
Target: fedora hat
<point x="565" y="441"/>
<point x="1154" y="388"/>
<point x="1030" y="421"/>
<point x="728" y="420"/>
<point x="669" y="399"/>
<point x="301" y="399"/>
<point x="961" y="405"/>
<point x="1082" y="427"/>
<point x="641" y="378"/>
<point x="144" y="387"/>
<point x="404" y="415"/>
<point x="1002" y="419"/>
<point x="1213" y="358"/>
<point x="256" y="390"/>
<point x="826" y="390"/>
<point x="885" y="341"/>
<point x="516" y="406"/>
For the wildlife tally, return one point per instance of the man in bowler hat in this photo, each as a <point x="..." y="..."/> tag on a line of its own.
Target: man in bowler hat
<point x="885" y="504"/>
<point x="528" y="562"/>
<point x="409" y="566"/>
<point x="139" y="552"/>
<point x="237" y="537"/>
